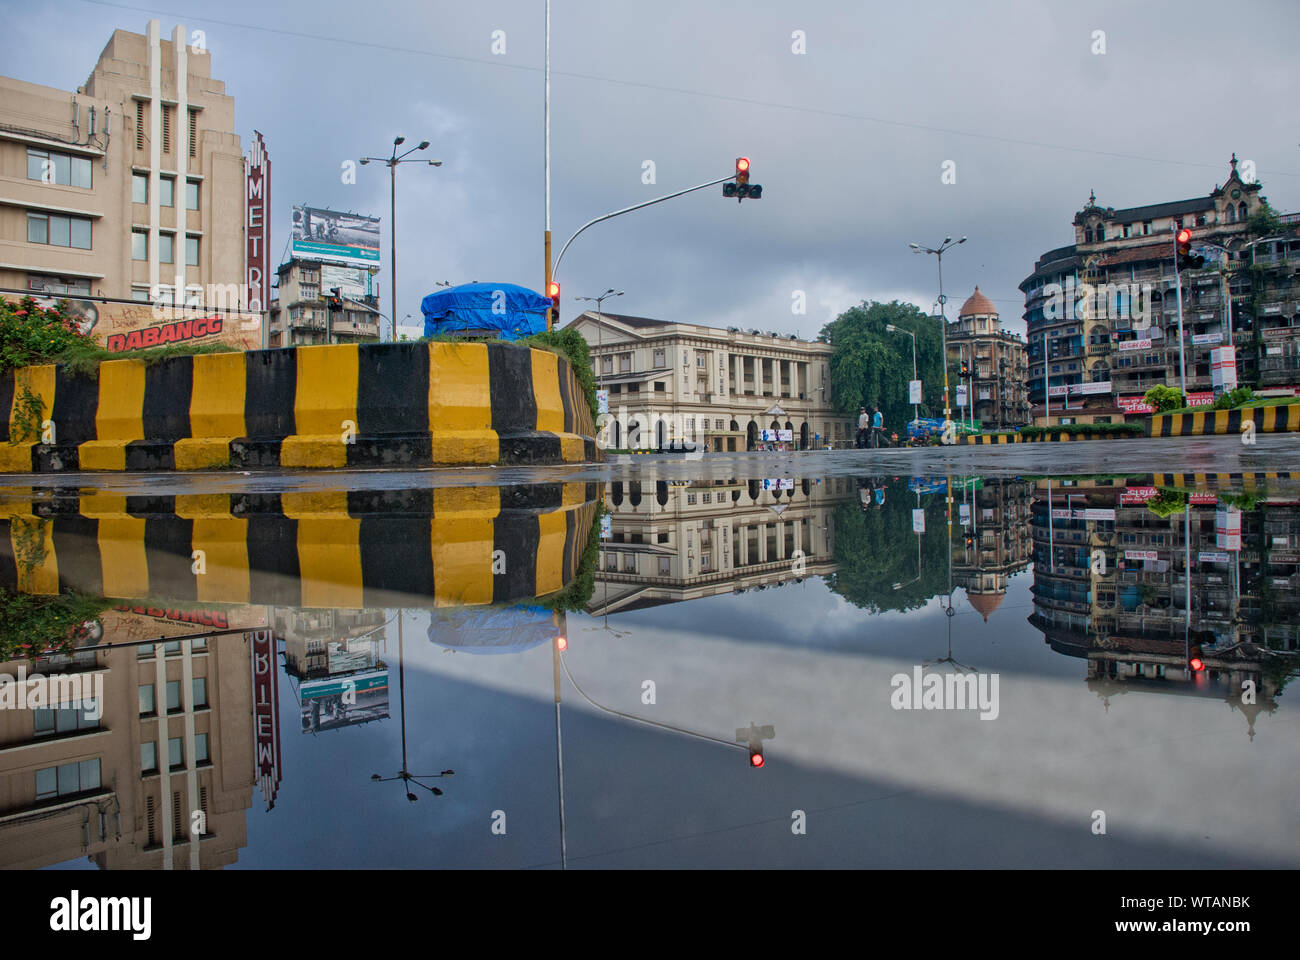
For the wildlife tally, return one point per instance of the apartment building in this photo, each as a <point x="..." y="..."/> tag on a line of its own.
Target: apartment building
<point x="301" y="311"/>
<point x="118" y="778"/>
<point x="996" y="361"/>
<point x="1097" y="355"/>
<point x="680" y="541"/>
<point x="669" y="380"/>
<point x="135" y="180"/>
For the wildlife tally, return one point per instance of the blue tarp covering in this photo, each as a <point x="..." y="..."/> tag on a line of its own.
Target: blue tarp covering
<point x="491" y="629"/>
<point x="510" y="310"/>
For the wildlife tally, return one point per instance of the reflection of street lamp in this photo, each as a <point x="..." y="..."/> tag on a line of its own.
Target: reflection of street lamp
<point x="405" y="775"/>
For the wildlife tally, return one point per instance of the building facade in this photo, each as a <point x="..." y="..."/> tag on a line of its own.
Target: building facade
<point x="669" y="381"/>
<point x="994" y="542"/>
<point x="995" y="359"/>
<point x="133" y="182"/>
<point x="1102" y="313"/>
<point x="301" y="312"/>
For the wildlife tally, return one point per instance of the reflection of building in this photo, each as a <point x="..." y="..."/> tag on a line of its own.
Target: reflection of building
<point x="301" y="311"/>
<point x="723" y="386"/>
<point x="995" y="544"/>
<point x="1112" y="577"/>
<point x="673" y="542"/>
<point x="1106" y="358"/>
<point x="334" y="654"/>
<point x="175" y="739"/>
<point x="996" y="361"/>
<point x="135" y="178"/>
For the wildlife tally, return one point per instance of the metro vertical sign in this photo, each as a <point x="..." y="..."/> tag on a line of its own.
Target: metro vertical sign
<point x="257" y="201"/>
<point x="266" y="714"/>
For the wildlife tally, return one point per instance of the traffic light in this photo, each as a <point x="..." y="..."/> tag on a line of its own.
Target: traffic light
<point x="740" y="188"/>
<point x="1195" y="659"/>
<point x="753" y="737"/>
<point x="336" y="299"/>
<point x="965" y="369"/>
<point x="1183" y="247"/>
<point x="561" y="644"/>
<point x="553" y="291"/>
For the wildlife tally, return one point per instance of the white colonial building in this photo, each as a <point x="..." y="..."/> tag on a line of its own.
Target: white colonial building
<point x="668" y="381"/>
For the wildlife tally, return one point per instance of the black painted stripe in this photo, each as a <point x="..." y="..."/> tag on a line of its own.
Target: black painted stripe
<point x="270" y="386"/>
<point x="76" y="401"/>
<point x="150" y="455"/>
<point x="168" y="545"/>
<point x="516" y="535"/>
<point x="392" y="389"/>
<point x="6" y="401"/>
<point x="1234" y="421"/>
<point x="565" y="374"/>
<point x="568" y="564"/>
<point x="396" y="560"/>
<point x="167" y="389"/>
<point x="273" y="569"/>
<point x="76" y="544"/>
<point x="8" y="563"/>
<point x="510" y="377"/>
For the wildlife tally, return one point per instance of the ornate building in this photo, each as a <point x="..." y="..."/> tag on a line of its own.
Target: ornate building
<point x="995" y="359"/>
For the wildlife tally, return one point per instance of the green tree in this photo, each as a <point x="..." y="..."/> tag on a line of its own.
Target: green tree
<point x="871" y="366"/>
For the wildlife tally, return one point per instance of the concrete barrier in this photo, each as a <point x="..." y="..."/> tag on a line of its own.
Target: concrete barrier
<point x="457" y="546"/>
<point x="367" y="405"/>
<point x="1279" y="419"/>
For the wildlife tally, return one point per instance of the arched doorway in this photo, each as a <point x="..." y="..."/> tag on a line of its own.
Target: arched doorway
<point x="751" y="436"/>
<point x="803" y="437"/>
<point x="661" y="435"/>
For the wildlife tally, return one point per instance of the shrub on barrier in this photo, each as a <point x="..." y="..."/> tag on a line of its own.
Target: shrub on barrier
<point x="570" y="344"/>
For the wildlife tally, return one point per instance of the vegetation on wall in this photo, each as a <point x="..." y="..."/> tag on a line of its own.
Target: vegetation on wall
<point x="34" y="625"/>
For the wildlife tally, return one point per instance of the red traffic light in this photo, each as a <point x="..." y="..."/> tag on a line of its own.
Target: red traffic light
<point x="755" y="759"/>
<point x="1184" y="236"/>
<point x="742" y="169"/>
<point x="1197" y="664"/>
<point x="553" y="291"/>
<point x="562" y="644"/>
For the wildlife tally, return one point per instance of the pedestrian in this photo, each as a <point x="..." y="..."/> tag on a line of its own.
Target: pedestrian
<point x="877" y="428"/>
<point x="864" y="425"/>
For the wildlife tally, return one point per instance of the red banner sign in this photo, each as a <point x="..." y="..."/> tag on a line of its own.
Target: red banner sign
<point x="266" y="714"/>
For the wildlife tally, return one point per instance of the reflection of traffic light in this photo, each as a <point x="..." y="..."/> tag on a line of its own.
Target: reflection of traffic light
<point x="553" y="291"/>
<point x="1195" y="659"/>
<point x="753" y="736"/>
<point x="1183" y="247"/>
<point x="740" y="188"/>
<point x="561" y="644"/>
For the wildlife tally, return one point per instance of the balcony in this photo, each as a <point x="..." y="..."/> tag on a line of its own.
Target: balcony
<point x="345" y="328"/>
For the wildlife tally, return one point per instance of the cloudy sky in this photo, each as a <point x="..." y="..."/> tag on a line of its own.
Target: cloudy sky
<point x="849" y="138"/>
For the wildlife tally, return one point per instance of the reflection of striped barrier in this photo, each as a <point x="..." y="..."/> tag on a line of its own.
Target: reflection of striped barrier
<point x="400" y="404"/>
<point x="1280" y="419"/>
<point x="1246" y="481"/>
<point x="346" y="549"/>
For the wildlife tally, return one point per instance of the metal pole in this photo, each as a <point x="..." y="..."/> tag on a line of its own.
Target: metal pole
<point x="916" y="412"/>
<point x="1178" y="286"/>
<point x="1047" y="389"/>
<point x="392" y="311"/>
<point x="546" y="165"/>
<point x="943" y="330"/>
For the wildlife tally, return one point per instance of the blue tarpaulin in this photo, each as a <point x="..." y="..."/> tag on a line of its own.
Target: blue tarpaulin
<point x="491" y="629"/>
<point x="506" y="309"/>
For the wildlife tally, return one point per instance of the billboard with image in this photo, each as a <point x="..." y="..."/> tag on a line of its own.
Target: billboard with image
<point x="334" y="235"/>
<point x="351" y="281"/>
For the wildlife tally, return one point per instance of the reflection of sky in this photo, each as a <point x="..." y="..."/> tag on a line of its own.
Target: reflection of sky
<point x="880" y="787"/>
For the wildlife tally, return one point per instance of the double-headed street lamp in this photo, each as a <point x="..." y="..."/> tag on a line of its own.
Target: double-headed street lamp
<point x="599" y="329"/>
<point x="917" y="248"/>
<point x="392" y="161"/>
<point x="916" y="416"/>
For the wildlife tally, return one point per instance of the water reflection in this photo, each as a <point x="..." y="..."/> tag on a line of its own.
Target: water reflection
<point x="208" y="629"/>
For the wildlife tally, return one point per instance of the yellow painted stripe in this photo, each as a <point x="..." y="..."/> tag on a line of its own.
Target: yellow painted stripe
<point x="462" y="537"/>
<point x="546" y="391"/>
<point x="327" y="505"/>
<point x="460" y="404"/>
<point x="550" y="551"/>
<point x="124" y="569"/>
<point x="325" y="405"/>
<point x="573" y="494"/>
<point x="16" y="457"/>
<point x="329" y="548"/>
<point x="223" y="540"/>
<point x="120" y="417"/>
<point x="39" y="381"/>
<point x="32" y="540"/>
<point x="216" y="412"/>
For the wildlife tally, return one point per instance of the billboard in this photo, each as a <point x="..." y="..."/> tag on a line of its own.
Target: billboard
<point x="351" y="281"/>
<point x="123" y="326"/>
<point x="343" y="701"/>
<point x="335" y="235"/>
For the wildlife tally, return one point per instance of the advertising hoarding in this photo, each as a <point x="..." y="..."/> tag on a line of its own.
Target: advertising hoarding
<point x="351" y="281"/>
<point x="334" y="235"/>
<point x="914" y="391"/>
<point x="257" y="226"/>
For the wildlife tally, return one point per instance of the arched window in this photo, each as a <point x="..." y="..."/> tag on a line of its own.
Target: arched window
<point x="1241" y="211"/>
<point x="1230" y="215"/>
<point x="1101" y="233"/>
<point x="1087" y="235"/>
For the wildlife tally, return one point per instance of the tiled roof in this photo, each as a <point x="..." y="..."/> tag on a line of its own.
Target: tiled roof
<point x="977" y="305"/>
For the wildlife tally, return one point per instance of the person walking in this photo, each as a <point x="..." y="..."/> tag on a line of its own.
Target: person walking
<point x="877" y="429"/>
<point x="864" y="425"/>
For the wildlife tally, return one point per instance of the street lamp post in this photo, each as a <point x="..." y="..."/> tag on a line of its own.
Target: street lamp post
<point x="391" y="162"/>
<point x="948" y="242"/>
<point x="599" y="330"/>
<point x="916" y="415"/>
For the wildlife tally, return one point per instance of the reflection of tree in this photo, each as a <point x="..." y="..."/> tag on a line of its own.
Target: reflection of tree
<point x="1167" y="502"/>
<point x="876" y="548"/>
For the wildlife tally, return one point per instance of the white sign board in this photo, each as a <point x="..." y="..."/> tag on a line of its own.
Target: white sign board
<point x="602" y="401"/>
<point x="961" y="395"/>
<point x="918" y="521"/>
<point x="914" y="391"/>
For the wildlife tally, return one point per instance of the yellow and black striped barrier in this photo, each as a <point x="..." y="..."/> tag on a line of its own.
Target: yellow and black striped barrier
<point x="980" y="438"/>
<point x="348" y="405"/>
<point x="1251" y="480"/>
<point x="1279" y="419"/>
<point x="458" y="546"/>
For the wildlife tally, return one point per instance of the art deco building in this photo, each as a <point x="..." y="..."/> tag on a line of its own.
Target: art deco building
<point x="1100" y="357"/>
<point x="132" y="180"/>
<point x="724" y="386"/>
<point x="995" y="359"/>
<point x="681" y="541"/>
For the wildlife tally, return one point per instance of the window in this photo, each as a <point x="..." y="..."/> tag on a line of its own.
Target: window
<point x="701" y="361"/>
<point x="139" y="246"/>
<point x="58" y="168"/>
<point x="660" y="361"/>
<point x="167" y="191"/>
<point x="58" y="231"/>
<point x="192" y="251"/>
<point x="629" y="563"/>
<point x="67" y="779"/>
<point x="200" y="748"/>
<point x="660" y="386"/>
<point x="191" y="192"/>
<point x="175" y="755"/>
<point x="193" y="138"/>
<point x="625" y="363"/>
<point x="690" y="498"/>
<point x="166" y="242"/>
<point x="139" y="188"/>
<point x="662" y="538"/>
<point x="139" y="124"/>
<point x="706" y="498"/>
<point x="173" y="695"/>
<point x="1146" y="228"/>
<point x="717" y="424"/>
<point x="149" y="757"/>
<point x="147" y="705"/>
<point x="634" y="388"/>
<point x="66" y="719"/>
<point x="167" y="128"/>
<point x="607" y="364"/>
<point x="140" y="294"/>
<point x="665" y="566"/>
